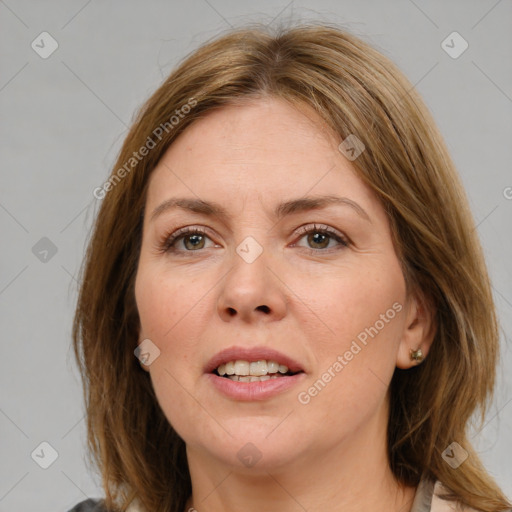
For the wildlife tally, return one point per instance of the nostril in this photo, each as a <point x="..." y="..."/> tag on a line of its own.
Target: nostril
<point x="266" y="309"/>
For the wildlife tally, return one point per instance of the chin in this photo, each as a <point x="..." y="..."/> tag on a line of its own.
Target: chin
<point x="252" y="447"/>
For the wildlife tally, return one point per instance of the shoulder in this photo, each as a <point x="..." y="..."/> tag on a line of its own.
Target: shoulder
<point x="89" y="505"/>
<point x="428" y="499"/>
<point x="440" y="505"/>
<point x="97" y="505"/>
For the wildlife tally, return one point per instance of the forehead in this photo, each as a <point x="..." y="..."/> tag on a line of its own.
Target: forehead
<point x="265" y="148"/>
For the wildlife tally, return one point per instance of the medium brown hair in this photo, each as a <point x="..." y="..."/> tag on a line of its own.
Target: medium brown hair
<point x="356" y="90"/>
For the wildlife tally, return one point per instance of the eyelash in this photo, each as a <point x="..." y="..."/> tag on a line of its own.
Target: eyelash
<point x="167" y="244"/>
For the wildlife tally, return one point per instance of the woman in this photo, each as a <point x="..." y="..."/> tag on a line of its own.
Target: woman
<point x="284" y="305"/>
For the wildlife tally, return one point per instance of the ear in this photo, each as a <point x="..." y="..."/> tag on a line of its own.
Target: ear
<point x="419" y="331"/>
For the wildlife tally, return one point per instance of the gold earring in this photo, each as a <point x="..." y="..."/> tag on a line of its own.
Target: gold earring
<point x="417" y="355"/>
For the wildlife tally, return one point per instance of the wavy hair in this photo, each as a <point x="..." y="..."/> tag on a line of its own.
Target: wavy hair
<point x="356" y="90"/>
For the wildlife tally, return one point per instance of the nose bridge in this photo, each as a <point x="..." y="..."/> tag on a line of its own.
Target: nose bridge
<point x="250" y="288"/>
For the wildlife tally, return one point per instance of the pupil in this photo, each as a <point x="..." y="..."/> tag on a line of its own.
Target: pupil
<point x="195" y="240"/>
<point x="316" y="236"/>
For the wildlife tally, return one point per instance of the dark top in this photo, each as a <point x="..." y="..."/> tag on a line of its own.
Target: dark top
<point x="89" y="505"/>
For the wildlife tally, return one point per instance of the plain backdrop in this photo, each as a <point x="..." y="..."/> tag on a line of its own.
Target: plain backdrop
<point x="63" y="119"/>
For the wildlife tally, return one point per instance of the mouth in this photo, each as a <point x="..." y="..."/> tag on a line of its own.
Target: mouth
<point x="256" y="373"/>
<point x="253" y="371"/>
<point x="252" y="362"/>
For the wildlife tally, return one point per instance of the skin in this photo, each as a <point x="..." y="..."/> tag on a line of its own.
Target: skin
<point x="328" y="454"/>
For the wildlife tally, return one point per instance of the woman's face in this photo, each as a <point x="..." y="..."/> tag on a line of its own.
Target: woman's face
<point x="271" y="276"/>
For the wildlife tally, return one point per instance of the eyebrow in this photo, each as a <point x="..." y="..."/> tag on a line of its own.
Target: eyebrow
<point x="303" y="204"/>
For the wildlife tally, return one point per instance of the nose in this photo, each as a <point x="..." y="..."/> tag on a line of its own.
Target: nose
<point x="252" y="292"/>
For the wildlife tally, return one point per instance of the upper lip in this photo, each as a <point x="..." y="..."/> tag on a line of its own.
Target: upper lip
<point x="238" y="353"/>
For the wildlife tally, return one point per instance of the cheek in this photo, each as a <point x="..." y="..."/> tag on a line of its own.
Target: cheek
<point x="167" y="309"/>
<point x="363" y="319"/>
<point x="166" y="303"/>
<point x="175" y="309"/>
<point x="353" y="302"/>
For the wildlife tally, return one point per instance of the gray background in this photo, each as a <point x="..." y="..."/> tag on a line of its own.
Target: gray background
<point x="63" y="121"/>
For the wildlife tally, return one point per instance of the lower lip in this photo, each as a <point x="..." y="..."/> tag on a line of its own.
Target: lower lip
<point x="249" y="391"/>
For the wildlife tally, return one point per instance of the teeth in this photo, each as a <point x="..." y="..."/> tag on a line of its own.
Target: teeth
<point x="241" y="368"/>
<point x="251" y="378"/>
<point x="258" y="368"/>
<point x="272" y="367"/>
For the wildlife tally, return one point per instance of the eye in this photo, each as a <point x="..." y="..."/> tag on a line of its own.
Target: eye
<point x="191" y="239"/>
<point x="320" y="237"/>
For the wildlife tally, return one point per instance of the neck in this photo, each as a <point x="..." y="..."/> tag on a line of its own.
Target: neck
<point x="352" y="476"/>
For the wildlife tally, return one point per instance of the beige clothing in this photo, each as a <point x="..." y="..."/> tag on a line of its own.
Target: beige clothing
<point x="427" y="499"/>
